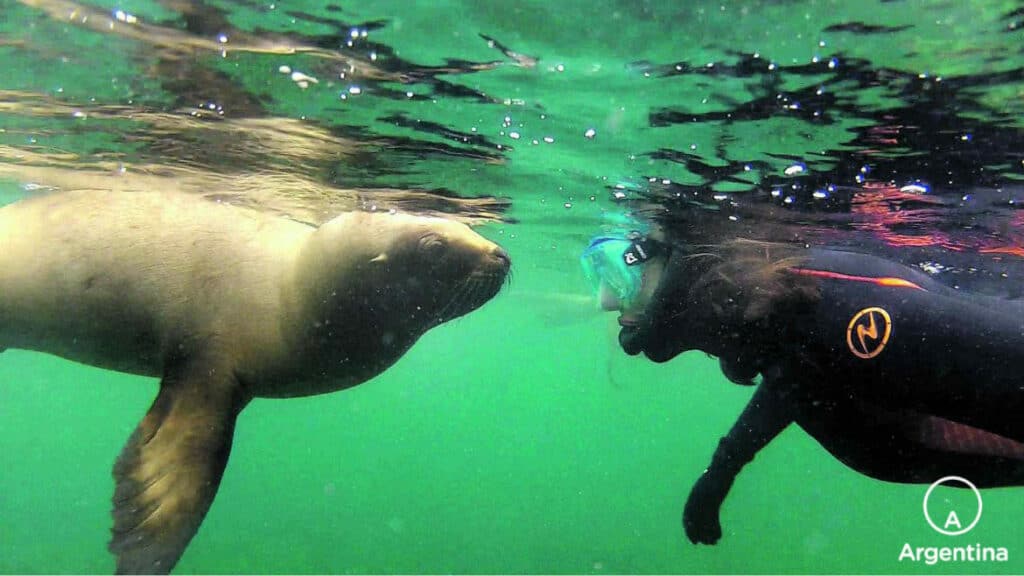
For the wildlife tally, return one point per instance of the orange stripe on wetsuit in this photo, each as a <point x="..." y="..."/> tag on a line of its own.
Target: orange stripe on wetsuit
<point x="888" y="281"/>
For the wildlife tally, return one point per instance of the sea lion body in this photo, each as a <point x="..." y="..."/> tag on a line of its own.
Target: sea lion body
<point x="112" y="280"/>
<point x="224" y="304"/>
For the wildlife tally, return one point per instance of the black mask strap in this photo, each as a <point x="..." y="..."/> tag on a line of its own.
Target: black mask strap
<point x="641" y="250"/>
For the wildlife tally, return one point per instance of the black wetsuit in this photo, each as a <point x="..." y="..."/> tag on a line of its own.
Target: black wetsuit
<point x="898" y="376"/>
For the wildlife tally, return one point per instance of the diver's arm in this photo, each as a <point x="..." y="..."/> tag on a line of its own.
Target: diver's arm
<point x="768" y="413"/>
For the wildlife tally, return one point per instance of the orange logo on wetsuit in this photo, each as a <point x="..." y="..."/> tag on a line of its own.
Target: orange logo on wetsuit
<point x="868" y="332"/>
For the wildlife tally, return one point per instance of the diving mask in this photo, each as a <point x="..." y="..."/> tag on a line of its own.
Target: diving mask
<point x="612" y="266"/>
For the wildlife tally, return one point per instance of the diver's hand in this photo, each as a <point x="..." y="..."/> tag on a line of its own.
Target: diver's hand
<point x="700" y="517"/>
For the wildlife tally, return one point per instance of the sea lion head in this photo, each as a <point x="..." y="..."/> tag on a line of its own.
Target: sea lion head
<point x="431" y="269"/>
<point x="383" y="279"/>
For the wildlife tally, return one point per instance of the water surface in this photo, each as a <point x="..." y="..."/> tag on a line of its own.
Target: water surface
<point x="518" y="439"/>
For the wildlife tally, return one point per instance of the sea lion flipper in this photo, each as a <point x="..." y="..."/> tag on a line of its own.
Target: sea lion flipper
<point x="169" y="471"/>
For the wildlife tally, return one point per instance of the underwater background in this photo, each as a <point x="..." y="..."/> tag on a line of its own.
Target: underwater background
<point x="518" y="439"/>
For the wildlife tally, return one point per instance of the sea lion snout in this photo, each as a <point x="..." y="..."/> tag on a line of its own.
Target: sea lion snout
<point x="490" y="266"/>
<point x="502" y="257"/>
<point x="495" y="262"/>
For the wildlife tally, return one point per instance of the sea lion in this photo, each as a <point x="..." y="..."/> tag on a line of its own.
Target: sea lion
<point x="224" y="304"/>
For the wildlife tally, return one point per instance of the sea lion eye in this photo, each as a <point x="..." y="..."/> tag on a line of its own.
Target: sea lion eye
<point x="432" y="245"/>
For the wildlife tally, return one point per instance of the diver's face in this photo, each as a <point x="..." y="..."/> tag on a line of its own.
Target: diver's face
<point x="627" y="274"/>
<point x="647" y="324"/>
<point x="649" y="280"/>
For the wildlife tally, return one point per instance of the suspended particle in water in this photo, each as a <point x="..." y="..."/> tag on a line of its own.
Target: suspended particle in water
<point x="795" y="169"/>
<point x="123" y="16"/>
<point x="915" y="188"/>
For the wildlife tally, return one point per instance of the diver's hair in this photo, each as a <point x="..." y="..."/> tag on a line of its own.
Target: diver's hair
<point x="751" y="281"/>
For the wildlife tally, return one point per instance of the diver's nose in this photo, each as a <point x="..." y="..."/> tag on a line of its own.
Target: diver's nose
<point x="609" y="300"/>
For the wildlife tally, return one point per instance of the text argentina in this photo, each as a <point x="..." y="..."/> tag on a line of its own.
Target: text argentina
<point x="932" y="555"/>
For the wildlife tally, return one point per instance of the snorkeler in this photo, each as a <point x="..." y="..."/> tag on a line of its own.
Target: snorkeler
<point x="897" y="375"/>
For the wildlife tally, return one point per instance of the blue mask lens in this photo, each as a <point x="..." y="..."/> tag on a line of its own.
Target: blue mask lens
<point x="604" y="262"/>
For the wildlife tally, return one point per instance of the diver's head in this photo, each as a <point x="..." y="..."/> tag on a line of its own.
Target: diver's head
<point x="716" y="300"/>
<point x="625" y="273"/>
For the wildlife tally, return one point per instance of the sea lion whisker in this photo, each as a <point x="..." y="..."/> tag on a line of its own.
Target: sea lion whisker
<point x="492" y="280"/>
<point x="474" y="288"/>
<point x="457" y="296"/>
<point x="489" y="285"/>
<point x="502" y="282"/>
<point x="478" y="289"/>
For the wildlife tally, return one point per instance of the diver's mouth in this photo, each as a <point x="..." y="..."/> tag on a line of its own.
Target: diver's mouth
<point x="631" y="336"/>
<point x="629" y="320"/>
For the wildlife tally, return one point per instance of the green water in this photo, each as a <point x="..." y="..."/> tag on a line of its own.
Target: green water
<point x="518" y="439"/>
